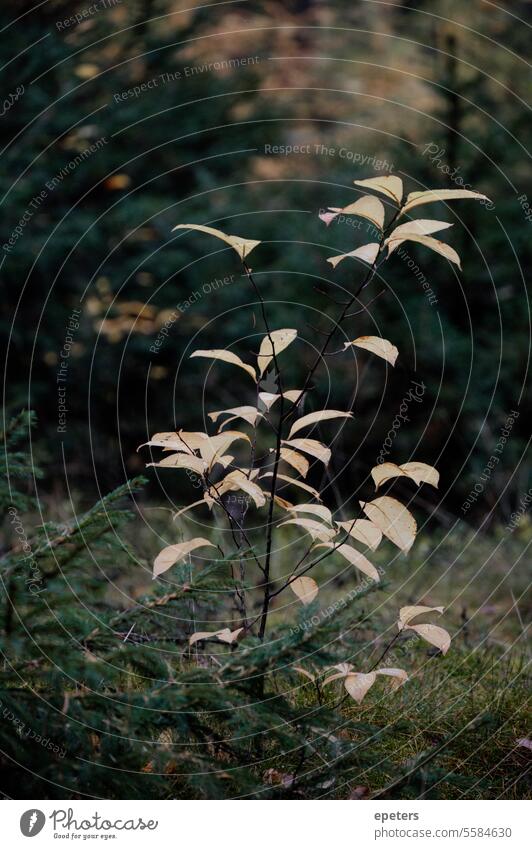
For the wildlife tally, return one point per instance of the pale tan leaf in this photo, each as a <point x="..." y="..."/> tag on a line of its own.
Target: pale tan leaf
<point x="433" y="634"/>
<point x="358" y="683"/>
<point x="281" y="339"/>
<point x="312" y="527"/>
<point x="269" y="398"/>
<point x="250" y="415"/>
<point x="418" y="472"/>
<point x="304" y="672"/>
<point x="172" y="553"/>
<point x="226" y="357"/>
<point x="310" y="446"/>
<point x="368" y="253"/>
<point x="305" y="588"/>
<point x="314" y="418"/>
<point x="343" y="669"/>
<point x="418" y="227"/>
<point x="432" y="195"/>
<point x="434" y="244"/>
<point x="393" y="519"/>
<point x="376" y="345"/>
<point x="181" y="440"/>
<point x="364" y="531"/>
<point x="238" y="480"/>
<point x="225" y="635"/>
<point x="390" y="186"/>
<point x="228" y="636"/>
<point x="399" y="676"/>
<point x="243" y="247"/>
<point x="295" y="482"/>
<point x="296" y="460"/>
<point x="189" y="507"/>
<point x="355" y="557"/>
<point x="366" y="207"/>
<point x="421" y="473"/>
<point x="215" y="446"/>
<point x="315" y="509"/>
<point x="406" y="614"/>
<point x="183" y="461"/>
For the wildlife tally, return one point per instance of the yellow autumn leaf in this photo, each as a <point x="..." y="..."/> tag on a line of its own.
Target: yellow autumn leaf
<point x="314" y="418"/>
<point x="172" y="553"/>
<point x="364" y="531"/>
<point x="390" y="186"/>
<point x="314" y="509"/>
<point x="355" y="557"/>
<point x="296" y="460"/>
<point x="368" y="253"/>
<point x="295" y="482"/>
<point x="434" y="244"/>
<point x="226" y="357"/>
<point x="250" y="415"/>
<point x="182" y="461"/>
<point x="393" y="519"/>
<point x="280" y="339"/>
<point x="399" y="676"/>
<point x="406" y="614"/>
<point x="225" y="635"/>
<point x="185" y="441"/>
<point x="269" y="398"/>
<point x="376" y="345"/>
<point x="418" y="227"/>
<point x="432" y="195"/>
<point x="243" y="247"/>
<point x="368" y="207"/>
<point x="418" y="472"/>
<point x="357" y="684"/>
<point x="312" y="527"/>
<point x="310" y="446"/>
<point x="305" y="588"/>
<point x="434" y="635"/>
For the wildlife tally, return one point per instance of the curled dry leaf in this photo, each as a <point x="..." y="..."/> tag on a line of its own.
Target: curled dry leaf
<point x="368" y="253"/>
<point x="312" y="527"/>
<point x="296" y="460"/>
<point x="226" y="357"/>
<point x="418" y="472"/>
<point x="238" y="480"/>
<point x="295" y="482"/>
<point x="316" y="509"/>
<point x="172" y="553"/>
<point x="393" y="519"/>
<point x="419" y="227"/>
<point x="366" y="207"/>
<point x="243" y="247"/>
<point x="314" y="418"/>
<point x="281" y="339"/>
<point x="250" y="415"/>
<point x="357" y="684"/>
<point x="433" y="634"/>
<point x="225" y="635"/>
<point x="432" y="195"/>
<point x="310" y="446"/>
<point x="364" y="531"/>
<point x="390" y="186"/>
<point x="434" y="244"/>
<point x="282" y="502"/>
<point x="406" y="614"/>
<point x="305" y="588"/>
<point x="304" y="672"/>
<point x="355" y="557"/>
<point x="381" y="347"/>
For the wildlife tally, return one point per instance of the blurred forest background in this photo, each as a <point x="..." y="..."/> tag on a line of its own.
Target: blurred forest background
<point x="363" y="88"/>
